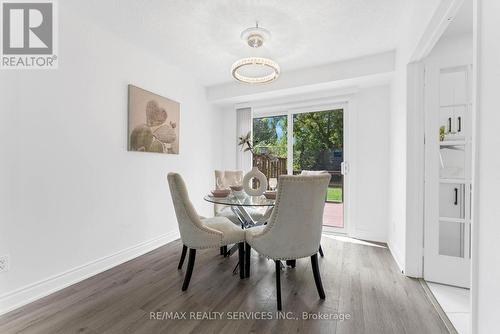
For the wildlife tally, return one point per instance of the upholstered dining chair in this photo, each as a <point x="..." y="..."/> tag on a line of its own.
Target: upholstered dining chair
<point x="201" y="233"/>
<point x="316" y="172"/>
<point x="294" y="228"/>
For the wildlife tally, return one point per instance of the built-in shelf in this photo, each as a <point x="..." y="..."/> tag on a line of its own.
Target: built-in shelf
<point x="452" y="220"/>
<point x="452" y="143"/>
<point x="448" y="180"/>
<point x="465" y="104"/>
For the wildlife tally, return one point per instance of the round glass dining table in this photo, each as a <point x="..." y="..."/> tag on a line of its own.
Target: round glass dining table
<point x="240" y="205"/>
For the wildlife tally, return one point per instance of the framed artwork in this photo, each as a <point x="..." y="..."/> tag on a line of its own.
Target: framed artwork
<point x="153" y="122"/>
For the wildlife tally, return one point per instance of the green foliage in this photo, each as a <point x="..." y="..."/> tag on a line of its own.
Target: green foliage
<point x="265" y="135"/>
<point x="316" y="135"/>
<point x="334" y="194"/>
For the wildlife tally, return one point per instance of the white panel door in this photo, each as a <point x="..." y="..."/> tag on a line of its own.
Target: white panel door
<point x="447" y="175"/>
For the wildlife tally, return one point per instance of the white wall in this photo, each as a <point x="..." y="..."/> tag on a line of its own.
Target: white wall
<point x="70" y="192"/>
<point x="486" y="232"/>
<point x="228" y="138"/>
<point x="451" y="48"/>
<point x="397" y="167"/>
<point x="371" y="125"/>
<point x="400" y="160"/>
<point x="370" y="210"/>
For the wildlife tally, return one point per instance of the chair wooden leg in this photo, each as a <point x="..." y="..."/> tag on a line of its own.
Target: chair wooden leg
<point x="321" y="251"/>
<point x="317" y="277"/>
<point x="241" y="255"/>
<point x="222" y="251"/>
<point x="248" y="253"/>
<point x="183" y="256"/>
<point x="291" y="263"/>
<point x="278" y="284"/>
<point x="189" y="272"/>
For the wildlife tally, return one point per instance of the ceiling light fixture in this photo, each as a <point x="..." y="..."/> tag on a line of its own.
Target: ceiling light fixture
<point x="265" y="70"/>
<point x="255" y="36"/>
<point x="259" y="61"/>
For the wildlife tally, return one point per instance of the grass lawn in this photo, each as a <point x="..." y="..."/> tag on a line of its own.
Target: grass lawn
<point x="334" y="194"/>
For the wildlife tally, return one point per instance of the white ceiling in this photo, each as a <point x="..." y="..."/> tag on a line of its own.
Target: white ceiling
<point x="462" y="22"/>
<point x="203" y="36"/>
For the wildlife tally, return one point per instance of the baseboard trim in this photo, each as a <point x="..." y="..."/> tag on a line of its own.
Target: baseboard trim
<point x="396" y="258"/>
<point x="369" y="236"/>
<point x="29" y="293"/>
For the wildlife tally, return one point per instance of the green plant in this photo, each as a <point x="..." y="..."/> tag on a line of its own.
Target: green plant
<point x="442" y="130"/>
<point x="246" y="142"/>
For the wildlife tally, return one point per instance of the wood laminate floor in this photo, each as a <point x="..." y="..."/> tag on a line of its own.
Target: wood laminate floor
<point x="361" y="282"/>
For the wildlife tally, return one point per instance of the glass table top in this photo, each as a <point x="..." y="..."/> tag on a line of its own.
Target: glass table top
<point x="240" y="200"/>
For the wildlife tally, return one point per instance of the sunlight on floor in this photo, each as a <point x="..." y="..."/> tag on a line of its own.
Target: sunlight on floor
<point x="352" y="240"/>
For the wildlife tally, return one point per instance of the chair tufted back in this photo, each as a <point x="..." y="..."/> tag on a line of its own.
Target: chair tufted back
<point x="295" y="226"/>
<point x="193" y="233"/>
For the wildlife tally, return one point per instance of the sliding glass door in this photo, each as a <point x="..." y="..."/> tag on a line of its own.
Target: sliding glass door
<point x="318" y="144"/>
<point x="298" y="141"/>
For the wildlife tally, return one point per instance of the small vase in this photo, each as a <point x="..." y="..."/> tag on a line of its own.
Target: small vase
<point x="247" y="179"/>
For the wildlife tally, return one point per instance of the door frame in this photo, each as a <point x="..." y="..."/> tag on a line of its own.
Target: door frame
<point x="415" y="173"/>
<point x="432" y="258"/>
<point x="345" y="103"/>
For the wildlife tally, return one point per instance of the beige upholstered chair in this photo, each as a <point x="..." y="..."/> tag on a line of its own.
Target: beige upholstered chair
<point x="294" y="229"/>
<point x="199" y="233"/>
<point x="315" y="172"/>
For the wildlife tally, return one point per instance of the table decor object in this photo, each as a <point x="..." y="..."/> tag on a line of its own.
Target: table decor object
<point x="248" y="182"/>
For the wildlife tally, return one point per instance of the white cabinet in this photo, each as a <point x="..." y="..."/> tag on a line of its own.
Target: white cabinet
<point x="454" y="102"/>
<point x="453" y="86"/>
<point x="452" y="239"/>
<point x="452" y="160"/>
<point x="452" y="200"/>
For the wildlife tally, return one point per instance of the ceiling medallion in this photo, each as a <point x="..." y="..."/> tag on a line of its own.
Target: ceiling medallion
<point x="255" y="38"/>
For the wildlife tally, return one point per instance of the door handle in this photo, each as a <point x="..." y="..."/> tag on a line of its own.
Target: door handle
<point x="344" y="168"/>
<point x="456" y="196"/>
<point x="459" y="124"/>
<point x="449" y="124"/>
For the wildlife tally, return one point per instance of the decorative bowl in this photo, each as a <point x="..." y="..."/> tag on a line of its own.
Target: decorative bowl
<point x="236" y="188"/>
<point x="270" y="194"/>
<point x="221" y="192"/>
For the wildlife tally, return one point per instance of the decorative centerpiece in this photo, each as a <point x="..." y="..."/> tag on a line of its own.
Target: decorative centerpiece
<point x="248" y="182"/>
<point x="246" y="145"/>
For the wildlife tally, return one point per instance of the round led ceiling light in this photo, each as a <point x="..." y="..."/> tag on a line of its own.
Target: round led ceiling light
<point x="255" y="70"/>
<point x="265" y="70"/>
